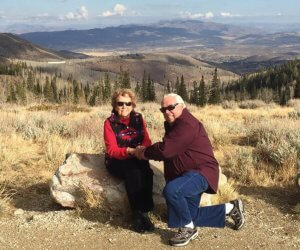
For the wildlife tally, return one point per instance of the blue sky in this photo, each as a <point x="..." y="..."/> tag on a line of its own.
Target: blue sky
<point x="64" y="14"/>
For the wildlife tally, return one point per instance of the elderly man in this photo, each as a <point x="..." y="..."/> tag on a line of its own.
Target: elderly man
<point x="190" y="169"/>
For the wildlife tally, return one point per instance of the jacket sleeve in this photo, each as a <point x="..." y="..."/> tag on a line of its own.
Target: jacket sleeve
<point x="146" y="142"/>
<point x="112" y="148"/>
<point x="175" y="142"/>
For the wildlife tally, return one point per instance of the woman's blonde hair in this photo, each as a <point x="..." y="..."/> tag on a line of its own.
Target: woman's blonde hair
<point x="123" y="92"/>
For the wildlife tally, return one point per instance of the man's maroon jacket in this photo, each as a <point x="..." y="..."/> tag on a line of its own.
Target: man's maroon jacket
<point x="186" y="147"/>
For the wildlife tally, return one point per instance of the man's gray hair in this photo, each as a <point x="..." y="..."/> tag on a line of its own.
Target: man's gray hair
<point x="178" y="98"/>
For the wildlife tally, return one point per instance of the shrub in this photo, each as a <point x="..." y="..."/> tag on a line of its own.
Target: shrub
<point x="64" y="108"/>
<point x="276" y="142"/>
<point x="294" y="114"/>
<point x="294" y="103"/>
<point x="252" y="104"/>
<point x="229" y="105"/>
<point x="239" y="165"/>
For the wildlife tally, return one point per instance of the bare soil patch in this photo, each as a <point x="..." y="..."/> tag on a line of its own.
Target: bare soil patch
<point x="39" y="223"/>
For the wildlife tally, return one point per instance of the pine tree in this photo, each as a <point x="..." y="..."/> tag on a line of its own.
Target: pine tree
<point x="144" y="93"/>
<point x="182" y="90"/>
<point x="215" y="89"/>
<point x="47" y="90"/>
<point x="53" y="91"/>
<point x="125" y="80"/>
<point x="96" y="95"/>
<point x="107" y="88"/>
<point x="283" y="99"/>
<point x="148" y="95"/>
<point x="253" y="93"/>
<point x="21" y="94"/>
<point x="152" y="95"/>
<point x="288" y="93"/>
<point x="177" y="84"/>
<point x="76" y="92"/>
<point x="168" y="87"/>
<point x="12" y="94"/>
<point x="137" y="89"/>
<point x="297" y="88"/>
<point x="194" y="93"/>
<point x="87" y="92"/>
<point x="30" y="81"/>
<point x="38" y="89"/>
<point x="202" y="96"/>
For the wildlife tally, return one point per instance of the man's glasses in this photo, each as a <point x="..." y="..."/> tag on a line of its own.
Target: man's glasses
<point x="121" y="104"/>
<point x="170" y="108"/>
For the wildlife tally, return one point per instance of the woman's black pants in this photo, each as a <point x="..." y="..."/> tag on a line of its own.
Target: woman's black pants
<point x="138" y="177"/>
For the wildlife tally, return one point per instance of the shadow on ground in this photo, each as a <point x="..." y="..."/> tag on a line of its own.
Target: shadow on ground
<point x="124" y="221"/>
<point x="283" y="198"/>
<point x="34" y="198"/>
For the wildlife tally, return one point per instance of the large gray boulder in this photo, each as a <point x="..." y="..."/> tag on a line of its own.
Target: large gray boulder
<point x="88" y="171"/>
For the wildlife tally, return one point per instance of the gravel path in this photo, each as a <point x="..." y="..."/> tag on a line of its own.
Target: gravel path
<point x="270" y="224"/>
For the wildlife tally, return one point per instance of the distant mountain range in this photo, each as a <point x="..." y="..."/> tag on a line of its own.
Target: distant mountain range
<point x="172" y="34"/>
<point x="203" y="40"/>
<point x="168" y="34"/>
<point x="235" y="48"/>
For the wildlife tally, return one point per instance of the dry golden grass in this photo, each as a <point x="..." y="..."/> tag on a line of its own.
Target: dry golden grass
<point x="5" y="199"/>
<point x="225" y="193"/>
<point x="253" y="146"/>
<point x="90" y="199"/>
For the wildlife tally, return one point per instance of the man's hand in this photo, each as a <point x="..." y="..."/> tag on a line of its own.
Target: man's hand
<point x="139" y="153"/>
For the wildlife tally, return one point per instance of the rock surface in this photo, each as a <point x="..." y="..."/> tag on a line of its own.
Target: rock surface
<point x="88" y="170"/>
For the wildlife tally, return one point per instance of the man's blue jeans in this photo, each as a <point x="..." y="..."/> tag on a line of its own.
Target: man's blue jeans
<point x="183" y="196"/>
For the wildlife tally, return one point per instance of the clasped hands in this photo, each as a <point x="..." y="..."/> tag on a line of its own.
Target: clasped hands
<point x="138" y="152"/>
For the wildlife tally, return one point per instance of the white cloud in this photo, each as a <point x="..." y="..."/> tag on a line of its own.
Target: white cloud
<point x="227" y="14"/>
<point x="81" y="13"/>
<point x="209" y="15"/>
<point x="190" y="15"/>
<point x="119" y="9"/>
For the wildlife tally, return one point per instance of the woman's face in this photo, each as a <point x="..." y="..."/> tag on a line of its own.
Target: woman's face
<point x="123" y="106"/>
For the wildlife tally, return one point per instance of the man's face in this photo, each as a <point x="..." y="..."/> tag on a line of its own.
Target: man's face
<point x="171" y="115"/>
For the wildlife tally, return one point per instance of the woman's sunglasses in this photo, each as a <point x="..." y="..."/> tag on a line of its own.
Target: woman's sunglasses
<point x="170" y="108"/>
<point x="121" y="104"/>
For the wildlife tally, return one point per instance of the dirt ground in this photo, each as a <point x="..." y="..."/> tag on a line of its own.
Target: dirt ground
<point x="39" y="223"/>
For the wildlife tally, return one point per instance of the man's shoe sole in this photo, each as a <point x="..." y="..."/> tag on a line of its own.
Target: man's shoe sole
<point x="241" y="206"/>
<point x="185" y="243"/>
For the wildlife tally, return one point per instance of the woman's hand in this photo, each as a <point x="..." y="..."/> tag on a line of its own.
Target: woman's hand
<point x="130" y="151"/>
<point x="139" y="153"/>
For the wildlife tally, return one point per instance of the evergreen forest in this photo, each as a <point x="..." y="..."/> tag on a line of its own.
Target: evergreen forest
<point x="22" y="84"/>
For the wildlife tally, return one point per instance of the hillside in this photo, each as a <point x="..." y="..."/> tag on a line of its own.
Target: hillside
<point x="252" y="64"/>
<point x="15" y="47"/>
<point x="162" y="67"/>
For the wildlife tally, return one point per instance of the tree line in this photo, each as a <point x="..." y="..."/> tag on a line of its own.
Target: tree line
<point x="277" y="84"/>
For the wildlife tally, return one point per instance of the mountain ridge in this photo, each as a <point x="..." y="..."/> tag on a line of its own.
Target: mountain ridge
<point x="16" y="47"/>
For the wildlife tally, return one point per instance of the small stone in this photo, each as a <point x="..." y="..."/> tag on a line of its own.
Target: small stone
<point x="19" y="211"/>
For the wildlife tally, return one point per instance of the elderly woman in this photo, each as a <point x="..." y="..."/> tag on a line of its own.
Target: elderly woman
<point x="125" y="130"/>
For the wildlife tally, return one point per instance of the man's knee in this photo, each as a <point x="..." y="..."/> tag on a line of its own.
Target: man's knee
<point x="170" y="192"/>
